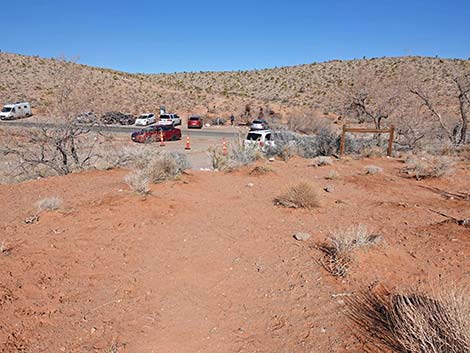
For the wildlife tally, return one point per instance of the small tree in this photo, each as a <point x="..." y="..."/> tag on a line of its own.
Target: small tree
<point x="67" y="145"/>
<point x="456" y="131"/>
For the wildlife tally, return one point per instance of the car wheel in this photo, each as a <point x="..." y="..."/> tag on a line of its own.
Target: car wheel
<point x="174" y="138"/>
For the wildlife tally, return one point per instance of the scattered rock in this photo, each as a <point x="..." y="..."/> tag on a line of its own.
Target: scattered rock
<point x="302" y="236"/>
<point x="271" y="159"/>
<point x="31" y="220"/>
<point x="329" y="188"/>
<point x="250" y="185"/>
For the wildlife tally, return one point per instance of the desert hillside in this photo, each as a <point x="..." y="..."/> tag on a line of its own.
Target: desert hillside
<point x="290" y="90"/>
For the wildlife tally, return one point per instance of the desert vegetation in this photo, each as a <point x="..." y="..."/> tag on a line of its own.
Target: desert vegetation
<point x="339" y="248"/>
<point x="301" y="195"/>
<point x="414" y="322"/>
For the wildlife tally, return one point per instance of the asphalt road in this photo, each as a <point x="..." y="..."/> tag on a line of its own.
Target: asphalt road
<point x="228" y="133"/>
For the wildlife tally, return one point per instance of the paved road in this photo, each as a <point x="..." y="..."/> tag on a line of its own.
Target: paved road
<point x="207" y="132"/>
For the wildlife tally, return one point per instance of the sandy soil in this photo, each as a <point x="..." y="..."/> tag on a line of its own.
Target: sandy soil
<point x="209" y="264"/>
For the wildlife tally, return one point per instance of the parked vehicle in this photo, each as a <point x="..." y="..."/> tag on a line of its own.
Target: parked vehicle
<point x="259" y="124"/>
<point x="145" y="119"/>
<point x="261" y="138"/>
<point x="152" y="134"/>
<point x="117" y="118"/>
<point x="87" y="118"/>
<point x="15" y="111"/>
<point x="169" y="119"/>
<point x="195" y="122"/>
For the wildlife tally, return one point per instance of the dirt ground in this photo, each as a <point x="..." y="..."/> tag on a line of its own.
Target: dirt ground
<point x="209" y="263"/>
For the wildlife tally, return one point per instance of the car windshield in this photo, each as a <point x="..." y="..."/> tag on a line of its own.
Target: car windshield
<point x="6" y="109"/>
<point x="257" y="122"/>
<point x="165" y="117"/>
<point x="143" y="117"/>
<point x="194" y="118"/>
<point x="253" y="137"/>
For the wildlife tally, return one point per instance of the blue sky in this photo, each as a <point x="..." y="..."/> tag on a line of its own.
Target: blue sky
<point x="175" y="36"/>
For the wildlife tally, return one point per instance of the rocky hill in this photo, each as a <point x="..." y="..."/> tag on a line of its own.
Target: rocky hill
<point x="311" y="87"/>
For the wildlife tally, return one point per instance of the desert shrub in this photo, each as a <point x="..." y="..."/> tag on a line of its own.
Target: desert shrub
<point x="302" y="195"/>
<point x="427" y="166"/>
<point x="372" y="151"/>
<point x="307" y="146"/>
<point x="413" y="323"/>
<point x="166" y="166"/>
<point x="321" y="161"/>
<point x="332" y="175"/>
<point x="372" y="169"/>
<point x="49" y="204"/>
<point x="340" y="246"/>
<point x="138" y="181"/>
<point x="242" y="154"/>
<point x="261" y="170"/>
<point x="218" y="159"/>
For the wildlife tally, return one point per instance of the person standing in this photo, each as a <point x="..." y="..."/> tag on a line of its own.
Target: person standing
<point x="232" y="119"/>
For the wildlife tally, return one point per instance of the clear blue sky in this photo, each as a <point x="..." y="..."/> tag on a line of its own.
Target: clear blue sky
<point x="168" y="36"/>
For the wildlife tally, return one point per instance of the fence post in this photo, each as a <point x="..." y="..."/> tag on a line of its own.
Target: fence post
<point x="390" y="141"/>
<point x="343" y="136"/>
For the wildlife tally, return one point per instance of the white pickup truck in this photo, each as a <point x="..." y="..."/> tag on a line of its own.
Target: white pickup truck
<point x="169" y="119"/>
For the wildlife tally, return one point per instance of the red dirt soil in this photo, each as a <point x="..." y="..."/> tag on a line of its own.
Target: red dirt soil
<point x="209" y="264"/>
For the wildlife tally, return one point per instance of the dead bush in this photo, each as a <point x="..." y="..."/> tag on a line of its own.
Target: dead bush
<point x="138" y="182"/>
<point x="427" y="166"/>
<point x="302" y="195"/>
<point x="413" y="323"/>
<point x="372" y="169"/>
<point x="49" y="204"/>
<point x="340" y="246"/>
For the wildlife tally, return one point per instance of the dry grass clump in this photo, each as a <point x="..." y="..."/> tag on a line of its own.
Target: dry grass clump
<point x="332" y="175"/>
<point x="138" y="182"/>
<point x="427" y="166"/>
<point x="49" y="204"/>
<point x="372" y="169"/>
<point x="413" y="323"/>
<point x="321" y="161"/>
<point x="261" y="170"/>
<point x="166" y="166"/>
<point x="340" y="246"/>
<point x="302" y="195"/>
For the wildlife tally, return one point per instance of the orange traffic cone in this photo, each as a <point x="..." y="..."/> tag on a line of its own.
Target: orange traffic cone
<point x="187" y="143"/>
<point x="162" y="142"/>
<point x="224" y="147"/>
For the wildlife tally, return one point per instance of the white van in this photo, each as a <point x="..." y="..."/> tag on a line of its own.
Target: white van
<point x="15" y="111"/>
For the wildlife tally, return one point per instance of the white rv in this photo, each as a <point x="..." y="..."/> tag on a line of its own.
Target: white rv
<point x="15" y="111"/>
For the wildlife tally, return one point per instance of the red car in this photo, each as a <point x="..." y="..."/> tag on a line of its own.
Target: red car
<point x="153" y="133"/>
<point x="195" y="122"/>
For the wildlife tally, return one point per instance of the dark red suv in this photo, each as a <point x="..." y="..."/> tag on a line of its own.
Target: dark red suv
<point x="195" y="122"/>
<point x="152" y="134"/>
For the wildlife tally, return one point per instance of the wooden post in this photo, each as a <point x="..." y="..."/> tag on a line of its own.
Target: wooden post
<point x="390" y="141"/>
<point x="343" y="137"/>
